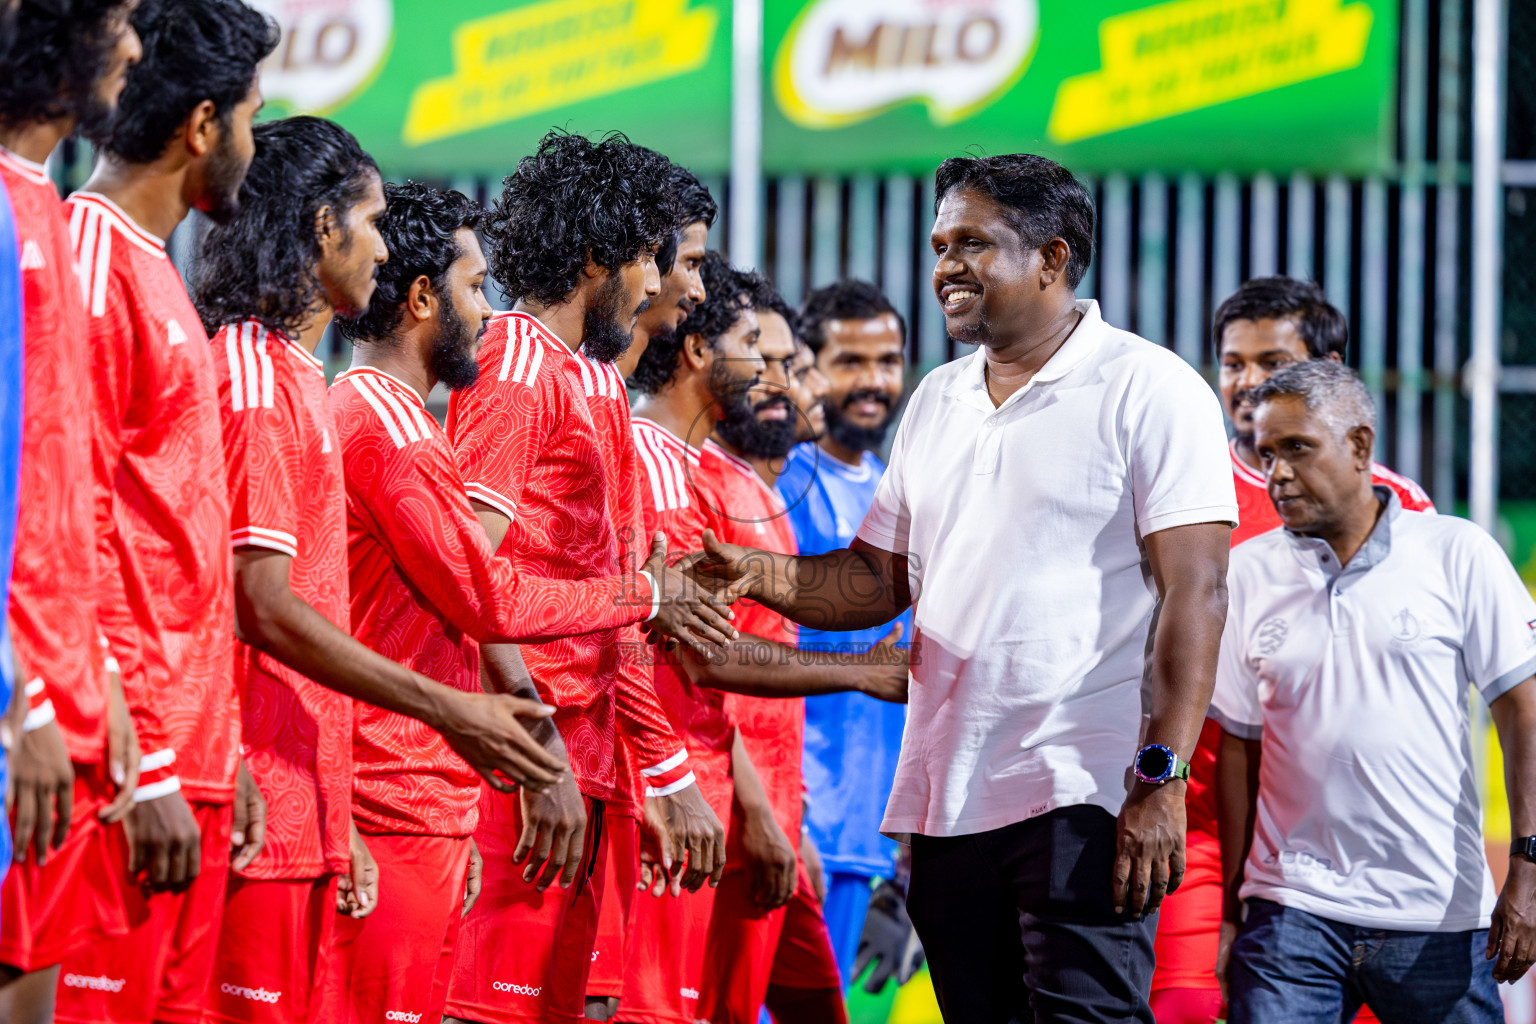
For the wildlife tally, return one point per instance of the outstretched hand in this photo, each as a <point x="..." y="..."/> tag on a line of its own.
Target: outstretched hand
<point x="699" y="616"/>
<point x="887" y="669"/>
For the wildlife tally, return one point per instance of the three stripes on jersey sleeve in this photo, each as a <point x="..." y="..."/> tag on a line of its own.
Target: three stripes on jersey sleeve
<point x="92" y="221"/>
<point x="664" y="468"/>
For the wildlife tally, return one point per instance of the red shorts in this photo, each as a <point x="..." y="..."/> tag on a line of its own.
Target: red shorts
<point x="76" y="899"/>
<point x="394" y="964"/>
<point x="665" y="970"/>
<point x="159" y="971"/>
<point x="525" y="955"/>
<point x="276" y="935"/>
<point x="1189" y="921"/>
<point x="749" y="949"/>
<point x="621" y="870"/>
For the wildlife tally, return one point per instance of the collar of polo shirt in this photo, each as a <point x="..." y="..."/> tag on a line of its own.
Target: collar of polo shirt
<point x="971" y="386"/>
<point x="1376" y="547"/>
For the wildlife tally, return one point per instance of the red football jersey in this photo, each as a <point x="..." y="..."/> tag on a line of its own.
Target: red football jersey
<point x="1256" y="513"/>
<point x="425" y="588"/>
<point x="286" y="494"/>
<point x="167" y="604"/>
<point x="54" y="577"/>
<point x="743" y="509"/>
<point x="644" y="727"/>
<point x="527" y="443"/>
<point x="674" y="505"/>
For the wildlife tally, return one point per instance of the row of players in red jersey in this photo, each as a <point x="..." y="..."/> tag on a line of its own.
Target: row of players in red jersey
<point x="229" y="547"/>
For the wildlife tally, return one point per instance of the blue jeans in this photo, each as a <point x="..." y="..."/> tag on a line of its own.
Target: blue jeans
<point x="1292" y="967"/>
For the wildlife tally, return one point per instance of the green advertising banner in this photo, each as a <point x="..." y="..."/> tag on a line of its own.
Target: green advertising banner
<point x="1099" y="84"/>
<point x="466" y="87"/>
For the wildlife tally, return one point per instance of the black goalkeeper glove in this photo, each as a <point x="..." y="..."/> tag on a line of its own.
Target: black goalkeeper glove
<point x="889" y="941"/>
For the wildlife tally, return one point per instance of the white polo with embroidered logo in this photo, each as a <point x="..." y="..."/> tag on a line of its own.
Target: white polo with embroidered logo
<point x="1356" y="680"/>
<point x="1025" y="526"/>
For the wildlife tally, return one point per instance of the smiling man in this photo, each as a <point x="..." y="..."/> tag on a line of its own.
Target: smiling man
<point x="1052" y="496"/>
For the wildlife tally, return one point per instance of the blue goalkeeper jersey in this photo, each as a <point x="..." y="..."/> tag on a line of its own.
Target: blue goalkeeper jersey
<point x="10" y="449"/>
<point x="851" y="741"/>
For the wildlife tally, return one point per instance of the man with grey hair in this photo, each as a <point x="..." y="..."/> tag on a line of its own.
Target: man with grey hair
<point x="1351" y="836"/>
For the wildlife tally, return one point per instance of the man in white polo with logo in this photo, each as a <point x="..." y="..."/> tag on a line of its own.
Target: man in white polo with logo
<point x="1351" y="836"/>
<point x="1052" y="496"/>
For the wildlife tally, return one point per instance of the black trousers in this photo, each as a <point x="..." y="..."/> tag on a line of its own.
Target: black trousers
<point x="1019" y="925"/>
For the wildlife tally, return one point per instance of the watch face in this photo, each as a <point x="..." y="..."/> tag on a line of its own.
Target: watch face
<point x="1154" y="763"/>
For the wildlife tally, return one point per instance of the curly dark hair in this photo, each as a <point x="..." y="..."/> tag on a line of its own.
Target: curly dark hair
<point x="58" y="50"/>
<point x="1320" y="323"/>
<point x="1040" y="198"/>
<point x="194" y="50"/>
<point x="843" y="300"/>
<point x="418" y="229"/>
<point x="728" y="291"/>
<point x="261" y="265"/>
<point x="694" y="204"/>
<point x="571" y="201"/>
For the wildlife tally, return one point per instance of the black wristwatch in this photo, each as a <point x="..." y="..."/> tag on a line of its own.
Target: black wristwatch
<point x="1156" y="764"/>
<point x="1525" y="847"/>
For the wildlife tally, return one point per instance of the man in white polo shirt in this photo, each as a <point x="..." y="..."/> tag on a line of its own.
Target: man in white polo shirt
<point x="1351" y="833"/>
<point x="1051" y="496"/>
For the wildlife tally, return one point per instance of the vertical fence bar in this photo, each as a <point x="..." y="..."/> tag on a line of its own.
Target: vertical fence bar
<point x="1373" y="298"/>
<point x="1189" y="306"/>
<point x="1115" y="264"/>
<point x="826" y="231"/>
<point x="863" y="209"/>
<point x="789" y="239"/>
<point x="1447" y="252"/>
<point x="1336" y="254"/>
<point x="1299" y="235"/>
<point x="900" y="238"/>
<point x="1408" y="454"/>
<point x="1264" y="227"/>
<point x="1226" y="239"/>
<point x="1487" y="261"/>
<point x="716" y="185"/>
<point x="933" y="340"/>
<point x="746" y="214"/>
<point x="1152" y="268"/>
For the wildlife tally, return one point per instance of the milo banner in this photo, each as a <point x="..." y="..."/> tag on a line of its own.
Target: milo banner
<point x="1099" y="84"/>
<point x="464" y="87"/>
<point x="447" y="88"/>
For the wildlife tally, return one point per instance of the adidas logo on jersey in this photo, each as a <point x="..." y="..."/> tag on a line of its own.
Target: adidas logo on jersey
<point x="259" y="995"/>
<point x="517" y="990"/>
<point x="32" y="256"/>
<point x="174" y="335"/>
<point x="403" y="1015"/>
<point x="99" y="983"/>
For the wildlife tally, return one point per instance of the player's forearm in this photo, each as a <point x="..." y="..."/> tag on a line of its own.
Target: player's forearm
<point x="1514" y="715"/>
<point x="285" y="627"/>
<point x="750" y="793"/>
<point x="763" y="668"/>
<point x="1237" y="794"/>
<point x="502" y="670"/>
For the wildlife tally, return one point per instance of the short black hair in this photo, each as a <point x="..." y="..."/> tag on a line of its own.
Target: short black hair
<point x="844" y="300"/>
<point x="572" y="201"/>
<point x="727" y="293"/>
<point x="58" y="49"/>
<point x="1040" y="198"/>
<point x="418" y="229"/>
<point x="194" y="50"/>
<point x="261" y="265"/>
<point x="1322" y="326"/>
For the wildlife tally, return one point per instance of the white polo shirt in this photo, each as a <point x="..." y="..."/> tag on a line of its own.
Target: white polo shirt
<point x="1357" y="683"/>
<point x="1024" y="525"/>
